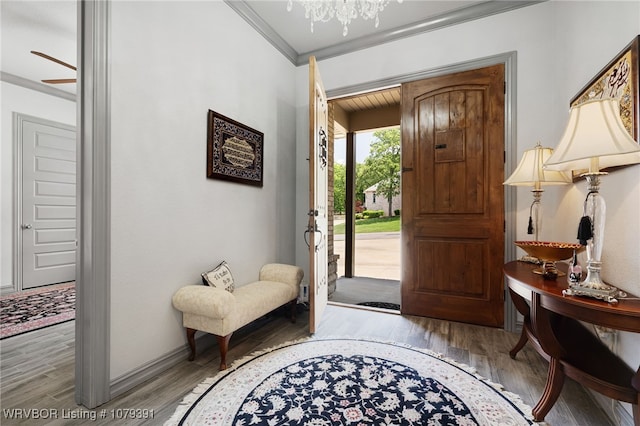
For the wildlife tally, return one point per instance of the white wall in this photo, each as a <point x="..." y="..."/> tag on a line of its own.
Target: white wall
<point x="16" y="99"/>
<point x="560" y="46"/>
<point x="171" y="63"/>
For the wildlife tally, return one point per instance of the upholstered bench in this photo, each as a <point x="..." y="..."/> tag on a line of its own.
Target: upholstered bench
<point x="221" y="312"/>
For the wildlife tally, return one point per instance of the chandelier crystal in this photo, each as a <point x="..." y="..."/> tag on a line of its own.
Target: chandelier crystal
<point x="343" y="10"/>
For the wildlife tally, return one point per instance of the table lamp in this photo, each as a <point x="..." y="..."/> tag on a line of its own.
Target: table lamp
<point x="595" y="138"/>
<point x="531" y="173"/>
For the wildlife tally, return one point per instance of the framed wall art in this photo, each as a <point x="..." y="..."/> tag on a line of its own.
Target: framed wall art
<point x="619" y="80"/>
<point x="234" y="151"/>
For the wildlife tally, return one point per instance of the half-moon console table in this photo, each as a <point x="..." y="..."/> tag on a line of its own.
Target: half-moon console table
<point x="552" y="324"/>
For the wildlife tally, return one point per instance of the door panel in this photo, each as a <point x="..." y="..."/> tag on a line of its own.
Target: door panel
<point x="453" y="214"/>
<point x="318" y="196"/>
<point x="48" y="223"/>
<point x="435" y="272"/>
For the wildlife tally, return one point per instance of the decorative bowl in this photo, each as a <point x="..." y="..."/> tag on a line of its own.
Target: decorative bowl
<point x="548" y="250"/>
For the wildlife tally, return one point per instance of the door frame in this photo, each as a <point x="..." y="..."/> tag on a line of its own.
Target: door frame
<point x="18" y="120"/>
<point x="93" y="307"/>
<point x="509" y="59"/>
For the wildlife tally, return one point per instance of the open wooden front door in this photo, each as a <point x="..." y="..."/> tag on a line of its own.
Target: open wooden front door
<point x="452" y="196"/>
<point x="318" y="200"/>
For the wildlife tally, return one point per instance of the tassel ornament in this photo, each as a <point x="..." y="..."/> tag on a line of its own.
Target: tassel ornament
<point x="585" y="228"/>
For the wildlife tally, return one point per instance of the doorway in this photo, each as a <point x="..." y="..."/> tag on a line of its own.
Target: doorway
<point x="366" y="160"/>
<point x="508" y="60"/>
<point x="45" y="178"/>
<point x="92" y="376"/>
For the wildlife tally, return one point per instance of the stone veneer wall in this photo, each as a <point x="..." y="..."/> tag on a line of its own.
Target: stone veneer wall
<point x="333" y="258"/>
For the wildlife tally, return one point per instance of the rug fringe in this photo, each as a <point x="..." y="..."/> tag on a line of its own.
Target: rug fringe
<point x="191" y="398"/>
<point x="202" y="387"/>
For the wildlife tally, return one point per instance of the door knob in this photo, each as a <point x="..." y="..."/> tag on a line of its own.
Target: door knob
<point x="27" y="226"/>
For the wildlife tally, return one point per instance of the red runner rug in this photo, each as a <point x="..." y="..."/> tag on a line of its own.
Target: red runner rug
<point x="37" y="308"/>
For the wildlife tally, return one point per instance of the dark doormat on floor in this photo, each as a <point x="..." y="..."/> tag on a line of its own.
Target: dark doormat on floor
<point x="382" y="305"/>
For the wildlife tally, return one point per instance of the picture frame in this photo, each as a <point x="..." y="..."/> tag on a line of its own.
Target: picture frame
<point x="619" y="79"/>
<point x="234" y="151"/>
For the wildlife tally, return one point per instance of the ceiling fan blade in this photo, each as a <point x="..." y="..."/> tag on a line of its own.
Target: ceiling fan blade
<point x="60" y="81"/>
<point x="51" y="58"/>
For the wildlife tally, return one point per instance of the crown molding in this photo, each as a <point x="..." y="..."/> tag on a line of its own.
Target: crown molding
<point x="34" y="85"/>
<point x="259" y="24"/>
<point x="476" y="11"/>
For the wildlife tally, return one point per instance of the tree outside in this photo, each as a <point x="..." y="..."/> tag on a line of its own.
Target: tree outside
<point x="383" y="164"/>
<point x="381" y="167"/>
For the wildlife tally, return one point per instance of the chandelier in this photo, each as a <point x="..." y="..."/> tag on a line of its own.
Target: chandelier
<point x="343" y="10"/>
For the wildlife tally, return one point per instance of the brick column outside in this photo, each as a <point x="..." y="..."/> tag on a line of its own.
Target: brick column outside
<point x="332" y="257"/>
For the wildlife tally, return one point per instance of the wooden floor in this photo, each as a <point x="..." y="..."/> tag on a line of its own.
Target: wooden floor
<point x="37" y="368"/>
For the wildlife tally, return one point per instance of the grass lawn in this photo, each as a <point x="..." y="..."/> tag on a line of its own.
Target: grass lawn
<point x="379" y="224"/>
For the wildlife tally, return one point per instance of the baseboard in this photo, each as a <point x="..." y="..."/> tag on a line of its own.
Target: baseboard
<point x="7" y="289"/>
<point x="614" y="409"/>
<point x="153" y="368"/>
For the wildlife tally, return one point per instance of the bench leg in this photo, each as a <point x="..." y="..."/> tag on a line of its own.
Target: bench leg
<point x="223" y="343"/>
<point x="192" y="342"/>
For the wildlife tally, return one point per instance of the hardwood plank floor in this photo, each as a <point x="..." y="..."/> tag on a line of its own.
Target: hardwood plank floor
<point x="37" y="368"/>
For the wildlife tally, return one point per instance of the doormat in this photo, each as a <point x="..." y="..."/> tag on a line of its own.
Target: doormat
<point x="382" y="305"/>
<point x="327" y="382"/>
<point x="37" y="308"/>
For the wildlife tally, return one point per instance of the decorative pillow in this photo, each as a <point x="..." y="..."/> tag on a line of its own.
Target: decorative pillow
<point x="219" y="277"/>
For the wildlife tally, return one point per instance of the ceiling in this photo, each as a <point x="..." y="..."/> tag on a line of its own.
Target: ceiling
<point x="373" y="100"/>
<point x="50" y="27"/>
<point x="346" y="110"/>
<point x="290" y="31"/>
<point x="45" y="26"/>
<point x="295" y="29"/>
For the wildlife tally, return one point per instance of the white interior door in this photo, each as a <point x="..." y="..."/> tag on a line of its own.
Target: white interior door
<point x="48" y="222"/>
<point x="318" y="199"/>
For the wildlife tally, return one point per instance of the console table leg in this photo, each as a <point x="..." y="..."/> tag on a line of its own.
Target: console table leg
<point x="555" y="381"/>
<point x="523" y="341"/>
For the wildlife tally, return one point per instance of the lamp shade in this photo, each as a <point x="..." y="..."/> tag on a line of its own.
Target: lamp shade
<point x="595" y="137"/>
<point x="530" y="171"/>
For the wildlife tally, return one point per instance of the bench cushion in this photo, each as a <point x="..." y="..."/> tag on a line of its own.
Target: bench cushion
<point x="219" y="312"/>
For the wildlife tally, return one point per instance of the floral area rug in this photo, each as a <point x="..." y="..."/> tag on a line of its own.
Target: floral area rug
<point x="37" y="308"/>
<point x="349" y="382"/>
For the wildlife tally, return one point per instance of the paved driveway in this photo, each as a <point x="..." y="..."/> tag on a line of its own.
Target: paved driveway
<point x="377" y="255"/>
